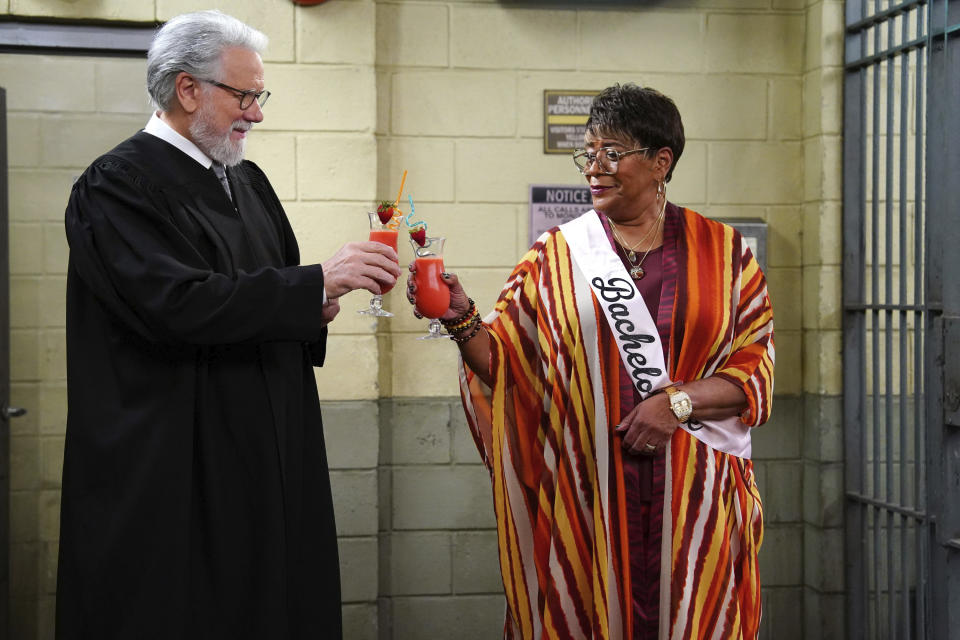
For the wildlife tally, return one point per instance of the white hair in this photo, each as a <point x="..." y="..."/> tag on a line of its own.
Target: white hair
<point x="193" y="43"/>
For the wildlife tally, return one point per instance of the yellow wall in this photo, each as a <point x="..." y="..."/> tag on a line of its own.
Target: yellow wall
<point x="822" y="195"/>
<point x="450" y="91"/>
<point x="460" y="106"/>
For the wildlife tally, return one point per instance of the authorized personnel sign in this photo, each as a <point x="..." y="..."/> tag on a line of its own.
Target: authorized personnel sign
<point x="553" y="204"/>
<point x="565" y="115"/>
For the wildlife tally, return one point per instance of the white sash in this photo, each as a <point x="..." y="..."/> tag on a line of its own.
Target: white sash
<point x="635" y="331"/>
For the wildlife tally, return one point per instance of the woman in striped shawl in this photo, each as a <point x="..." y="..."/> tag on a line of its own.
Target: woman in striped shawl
<point x="611" y="393"/>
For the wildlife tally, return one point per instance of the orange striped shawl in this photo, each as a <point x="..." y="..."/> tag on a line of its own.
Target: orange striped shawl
<point x="556" y="465"/>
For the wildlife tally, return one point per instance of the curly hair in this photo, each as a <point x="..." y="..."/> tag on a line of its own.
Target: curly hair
<point x="642" y="115"/>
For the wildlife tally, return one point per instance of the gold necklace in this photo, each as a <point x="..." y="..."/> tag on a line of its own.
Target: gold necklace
<point x="636" y="268"/>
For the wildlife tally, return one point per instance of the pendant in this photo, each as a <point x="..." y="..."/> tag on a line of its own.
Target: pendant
<point x="632" y="255"/>
<point x="636" y="272"/>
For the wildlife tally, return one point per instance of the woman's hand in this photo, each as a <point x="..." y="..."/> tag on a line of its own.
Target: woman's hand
<point x="459" y="302"/>
<point x="652" y="421"/>
<point x="647" y="429"/>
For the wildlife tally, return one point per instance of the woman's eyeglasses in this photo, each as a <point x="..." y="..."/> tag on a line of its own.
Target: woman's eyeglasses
<point x="608" y="159"/>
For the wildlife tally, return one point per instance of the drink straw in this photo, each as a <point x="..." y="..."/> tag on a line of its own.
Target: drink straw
<point x="395" y="220"/>
<point x="409" y="217"/>
<point x="394" y="223"/>
<point x="400" y="193"/>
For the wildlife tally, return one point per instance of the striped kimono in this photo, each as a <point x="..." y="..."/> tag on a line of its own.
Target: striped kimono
<point x="545" y="430"/>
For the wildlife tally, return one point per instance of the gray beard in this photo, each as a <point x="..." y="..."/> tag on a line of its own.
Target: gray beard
<point x="219" y="147"/>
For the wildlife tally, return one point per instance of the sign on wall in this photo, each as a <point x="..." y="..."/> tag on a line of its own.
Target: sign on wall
<point x="565" y="115"/>
<point x="554" y="204"/>
<point x="754" y="232"/>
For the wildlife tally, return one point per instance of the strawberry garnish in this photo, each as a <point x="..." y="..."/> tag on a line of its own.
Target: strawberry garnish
<point x="386" y="211"/>
<point x="419" y="235"/>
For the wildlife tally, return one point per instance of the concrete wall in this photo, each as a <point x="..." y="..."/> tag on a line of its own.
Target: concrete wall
<point x="62" y="113"/>
<point x="823" y="485"/>
<point x="451" y="91"/>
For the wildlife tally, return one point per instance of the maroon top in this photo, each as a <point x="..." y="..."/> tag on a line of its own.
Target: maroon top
<point x="643" y="475"/>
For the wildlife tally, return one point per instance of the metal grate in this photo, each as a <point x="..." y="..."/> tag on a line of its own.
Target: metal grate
<point x="900" y="303"/>
<point x="885" y="315"/>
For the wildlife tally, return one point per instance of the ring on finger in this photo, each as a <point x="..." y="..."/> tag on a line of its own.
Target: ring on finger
<point x="649" y="449"/>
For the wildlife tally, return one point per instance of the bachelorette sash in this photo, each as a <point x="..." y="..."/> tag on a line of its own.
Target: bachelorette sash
<point x="634" y="330"/>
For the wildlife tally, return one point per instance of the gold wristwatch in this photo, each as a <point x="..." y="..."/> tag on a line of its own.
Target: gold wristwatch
<point x="679" y="403"/>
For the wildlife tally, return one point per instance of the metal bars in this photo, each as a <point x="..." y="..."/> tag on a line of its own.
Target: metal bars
<point x="942" y="355"/>
<point x="886" y="316"/>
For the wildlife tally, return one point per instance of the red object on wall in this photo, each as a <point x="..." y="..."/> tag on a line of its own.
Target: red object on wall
<point x="308" y="2"/>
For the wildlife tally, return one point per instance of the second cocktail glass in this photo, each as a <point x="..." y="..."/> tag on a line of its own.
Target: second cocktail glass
<point x="432" y="297"/>
<point x="379" y="232"/>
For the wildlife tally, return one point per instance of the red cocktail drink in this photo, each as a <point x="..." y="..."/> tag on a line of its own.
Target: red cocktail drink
<point x="379" y="232"/>
<point x="433" y="294"/>
<point x="389" y="238"/>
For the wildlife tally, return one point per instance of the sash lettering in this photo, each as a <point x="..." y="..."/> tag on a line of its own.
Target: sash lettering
<point x="614" y="289"/>
<point x="611" y="291"/>
<point x="634" y="329"/>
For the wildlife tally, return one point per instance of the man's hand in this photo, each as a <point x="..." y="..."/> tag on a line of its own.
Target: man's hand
<point x="360" y="265"/>
<point x="330" y="310"/>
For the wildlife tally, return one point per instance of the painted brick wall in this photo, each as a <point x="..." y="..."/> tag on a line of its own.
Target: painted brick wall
<point x="823" y="484"/>
<point x="63" y="112"/>
<point x="460" y="93"/>
<point x="452" y="92"/>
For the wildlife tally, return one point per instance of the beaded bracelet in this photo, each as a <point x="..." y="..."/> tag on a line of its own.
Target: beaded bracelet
<point x="464" y="326"/>
<point x="461" y="339"/>
<point x="461" y="322"/>
<point x="457" y="328"/>
<point x="468" y="314"/>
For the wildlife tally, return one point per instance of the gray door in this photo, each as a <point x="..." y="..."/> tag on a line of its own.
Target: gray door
<point x="902" y="318"/>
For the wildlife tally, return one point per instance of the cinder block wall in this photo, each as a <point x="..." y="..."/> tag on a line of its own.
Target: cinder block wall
<point x="317" y="144"/>
<point x="460" y="90"/>
<point x="451" y="91"/>
<point x="823" y="484"/>
<point x="62" y="112"/>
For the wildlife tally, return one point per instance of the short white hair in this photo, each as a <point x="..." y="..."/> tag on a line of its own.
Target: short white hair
<point x="193" y="43"/>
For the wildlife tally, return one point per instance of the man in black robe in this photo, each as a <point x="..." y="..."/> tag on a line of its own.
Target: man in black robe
<point x="196" y="497"/>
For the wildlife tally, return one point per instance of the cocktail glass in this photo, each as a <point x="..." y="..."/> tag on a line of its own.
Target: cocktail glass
<point x="432" y="297"/>
<point x="380" y="233"/>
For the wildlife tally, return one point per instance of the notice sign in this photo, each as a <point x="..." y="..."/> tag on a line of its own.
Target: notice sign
<point x="564" y="119"/>
<point x="553" y="204"/>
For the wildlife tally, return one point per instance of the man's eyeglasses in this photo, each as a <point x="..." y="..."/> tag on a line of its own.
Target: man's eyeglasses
<point x="246" y="96"/>
<point x="607" y="159"/>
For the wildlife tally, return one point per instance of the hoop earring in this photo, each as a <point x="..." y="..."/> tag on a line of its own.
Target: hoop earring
<point x="661" y="189"/>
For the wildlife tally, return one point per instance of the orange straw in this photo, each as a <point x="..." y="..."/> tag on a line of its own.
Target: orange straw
<point x="400" y="193"/>
<point x="395" y="220"/>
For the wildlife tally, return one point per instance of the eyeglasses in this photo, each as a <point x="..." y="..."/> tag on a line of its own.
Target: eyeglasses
<point x="607" y="159"/>
<point x="246" y="96"/>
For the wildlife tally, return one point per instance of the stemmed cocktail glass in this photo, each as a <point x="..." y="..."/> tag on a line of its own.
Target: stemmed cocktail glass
<point x="379" y="232"/>
<point x="432" y="296"/>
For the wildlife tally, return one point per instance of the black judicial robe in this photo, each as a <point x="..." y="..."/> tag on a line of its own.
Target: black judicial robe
<point x="196" y="498"/>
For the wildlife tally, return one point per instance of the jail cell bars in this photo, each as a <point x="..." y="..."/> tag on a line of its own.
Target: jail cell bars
<point x="885" y="315"/>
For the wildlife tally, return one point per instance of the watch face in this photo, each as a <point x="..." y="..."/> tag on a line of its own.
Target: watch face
<point x="680" y="405"/>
